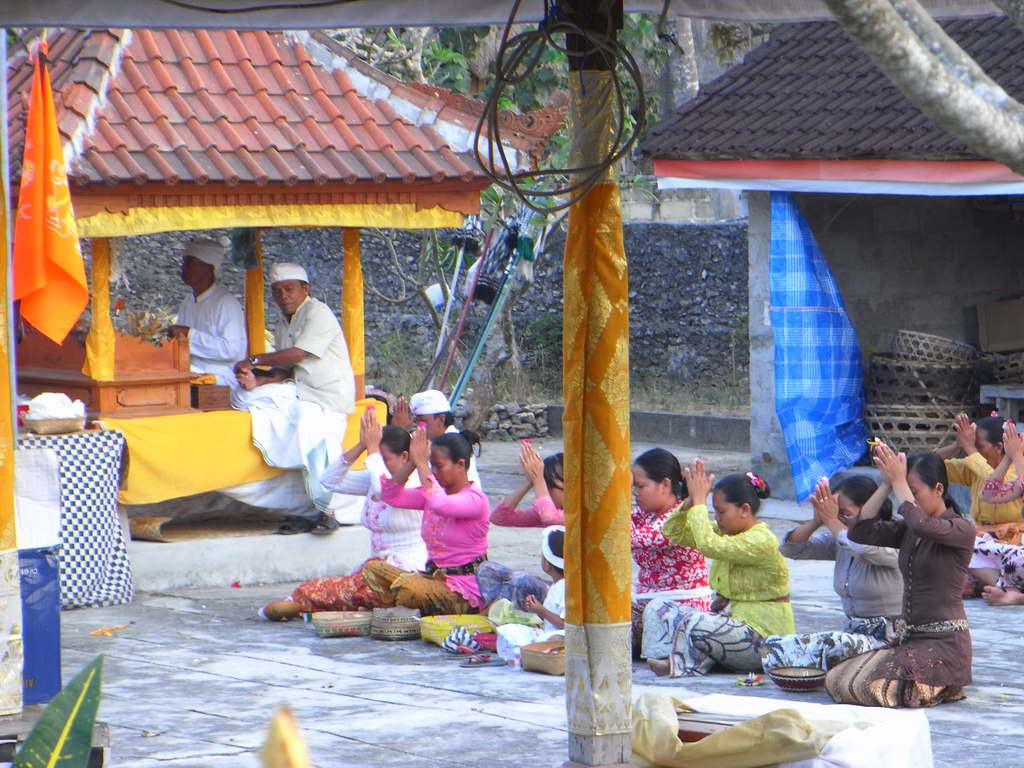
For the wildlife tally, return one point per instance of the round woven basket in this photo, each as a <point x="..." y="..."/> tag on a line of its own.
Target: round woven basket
<point x="1009" y="369"/>
<point x="342" y="623"/>
<point x="912" y="428"/>
<point x="395" y="624"/>
<point x="890" y="380"/>
<point x="926" y="348"/>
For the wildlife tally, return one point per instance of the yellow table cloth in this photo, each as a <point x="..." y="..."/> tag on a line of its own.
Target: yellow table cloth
<point x="174" y="456"/>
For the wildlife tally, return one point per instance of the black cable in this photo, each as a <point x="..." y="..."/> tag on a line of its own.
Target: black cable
<point x="283" y="6"/>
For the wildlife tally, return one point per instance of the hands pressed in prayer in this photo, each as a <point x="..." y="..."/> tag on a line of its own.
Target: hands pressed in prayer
<point x="402" y="417"/>
<point x="891" y="464"/>
<point x="419" y="449"/>
<point x="533" y="464"/>
<point x="826" y="506"/>
<point x="370" y="430"/>
<point x="965" y="433"/>
<point x="1013" y="443"/>
<point x="698" y="482"/>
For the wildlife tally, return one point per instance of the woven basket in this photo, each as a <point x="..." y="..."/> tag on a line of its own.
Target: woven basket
<point x="912" y="428"/>
<point x="926" y="348"/>
<point x="1009" y="369"/>
<point x="547" y="657"/>
<point x="905" y="382"/>
<point x="395" y="624"/>
<point x="54" y="426"/>
<point x="342" y="623"/>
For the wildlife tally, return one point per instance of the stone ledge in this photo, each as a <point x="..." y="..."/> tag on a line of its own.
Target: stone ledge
<point x="718" y="432"/>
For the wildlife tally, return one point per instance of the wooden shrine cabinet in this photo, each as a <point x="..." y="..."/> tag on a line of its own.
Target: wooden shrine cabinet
<point x="149" y="380"/>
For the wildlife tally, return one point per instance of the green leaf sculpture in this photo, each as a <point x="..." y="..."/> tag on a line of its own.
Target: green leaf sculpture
<point x="62" y="737"/>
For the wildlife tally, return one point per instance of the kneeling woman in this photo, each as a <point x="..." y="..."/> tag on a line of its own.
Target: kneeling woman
<point x="455" y="521"/>
<point x="748" y="574"/>
<point x="931" y="660"/>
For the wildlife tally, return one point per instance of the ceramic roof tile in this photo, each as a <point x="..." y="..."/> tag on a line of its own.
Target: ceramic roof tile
<point x="204" y="106"/>
<point x="809" y="92"/>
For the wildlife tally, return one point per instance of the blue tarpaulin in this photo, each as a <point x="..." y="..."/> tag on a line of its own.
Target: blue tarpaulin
<point x="819" y="377"/>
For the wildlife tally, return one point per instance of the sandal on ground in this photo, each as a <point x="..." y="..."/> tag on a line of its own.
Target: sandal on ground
<point x="484" y="660"/>
<point x="324" y="525"/>
<point x="292" y="525"/>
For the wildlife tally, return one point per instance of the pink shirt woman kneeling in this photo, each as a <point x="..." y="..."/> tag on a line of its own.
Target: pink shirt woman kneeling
<point x="545" y="477"/>
<point x="455" y="524"/>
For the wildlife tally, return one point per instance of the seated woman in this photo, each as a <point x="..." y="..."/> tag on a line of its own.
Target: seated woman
<point x="394" y="532"/>
<point x="981" y="443"/>
<point x="867" y="579"/>
<point x="930" y="662"/>
<point x="748" y="574"/>
<point x="998" y="560"/>
<point x="669" y="575"/>
<point x="545" y="477"/>
<point x="455" y="524"/>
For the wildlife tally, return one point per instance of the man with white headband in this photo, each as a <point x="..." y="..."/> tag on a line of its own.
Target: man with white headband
<point x="299" y="394"/>
<point x="311" y="349"/>
<point x="211" y="318"/>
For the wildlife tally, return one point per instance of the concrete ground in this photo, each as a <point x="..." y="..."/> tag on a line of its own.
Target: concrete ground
<point x="195" y="676"/>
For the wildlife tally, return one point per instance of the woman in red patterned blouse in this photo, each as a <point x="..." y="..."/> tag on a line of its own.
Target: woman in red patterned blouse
<point x="664" y="570"/>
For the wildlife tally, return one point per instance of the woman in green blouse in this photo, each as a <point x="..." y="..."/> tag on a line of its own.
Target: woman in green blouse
<point x="748" y="575"/>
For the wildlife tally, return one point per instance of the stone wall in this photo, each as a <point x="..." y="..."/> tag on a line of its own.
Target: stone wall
<point x="688" y="292"/>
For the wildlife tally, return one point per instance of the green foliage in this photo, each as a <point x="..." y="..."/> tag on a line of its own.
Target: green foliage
<point x="446" y="68"/>
<point x="62" y="737"/>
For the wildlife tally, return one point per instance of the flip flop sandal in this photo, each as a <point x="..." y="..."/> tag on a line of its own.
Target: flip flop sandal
<point x="484" y="660"/>
<point x="292" y="525"/>
<point x="462" y="653"/>
<point x="324" y="525"/>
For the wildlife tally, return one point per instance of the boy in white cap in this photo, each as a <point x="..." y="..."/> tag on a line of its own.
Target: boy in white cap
<point x="311" y="349"/>
<point x="432" y="408"/>
<point x="211" y="318"/>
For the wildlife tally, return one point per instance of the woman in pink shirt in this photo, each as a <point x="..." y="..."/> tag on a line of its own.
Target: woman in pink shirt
<point x="544" y="476"/>
<point x="455" y="523"/>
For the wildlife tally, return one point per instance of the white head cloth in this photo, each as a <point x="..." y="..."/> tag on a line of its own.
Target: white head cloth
<point x="551" y="557"/>
<point x="207" y="251"/>
<point x="288" y="270"/>
<point x="429" y="402"/>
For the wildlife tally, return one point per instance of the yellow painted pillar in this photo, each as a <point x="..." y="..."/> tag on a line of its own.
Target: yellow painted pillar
<point x="255" y="314"/>
<point x="99" y="344"/>
<point x="598" y="481"/>
<point x="352" y="308"/>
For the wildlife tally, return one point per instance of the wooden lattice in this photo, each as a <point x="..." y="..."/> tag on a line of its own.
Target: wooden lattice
<point x="926" y="348"/>
<point x="905" y="382"/>
<point x="913" y="428"/>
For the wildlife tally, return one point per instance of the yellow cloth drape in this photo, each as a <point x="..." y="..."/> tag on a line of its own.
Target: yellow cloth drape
<point x="255" y="313"/>
<point x="174" y="456"/>
<point x="352" y="305"/>
<point x="99" y="345"/>
<point x="7" y="424"/>
<point x="141" y="221"/>
<point x="596" y="427"/>
<point x="782" y="736"/>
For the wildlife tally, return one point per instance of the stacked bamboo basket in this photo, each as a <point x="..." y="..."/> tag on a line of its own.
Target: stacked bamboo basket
<point x="915" y="392"/>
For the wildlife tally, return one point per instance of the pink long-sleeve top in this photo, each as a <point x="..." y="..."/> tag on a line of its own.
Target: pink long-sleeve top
<point x="454" y="527"/>
<point x="540" y="514"/>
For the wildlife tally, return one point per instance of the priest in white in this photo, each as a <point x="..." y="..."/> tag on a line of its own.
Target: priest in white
<point x="211" y="318"/>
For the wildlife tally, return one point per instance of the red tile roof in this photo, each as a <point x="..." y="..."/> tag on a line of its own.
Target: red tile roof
<point x="250" y="107"/>
<point x="810" y="92"/>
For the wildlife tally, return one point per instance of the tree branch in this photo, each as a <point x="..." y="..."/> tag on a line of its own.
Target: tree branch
<point x="930" y="84"/>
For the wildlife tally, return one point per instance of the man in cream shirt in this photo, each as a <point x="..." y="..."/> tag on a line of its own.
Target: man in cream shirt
<point x="311" y="349"/>
<point x="211" y="318"/>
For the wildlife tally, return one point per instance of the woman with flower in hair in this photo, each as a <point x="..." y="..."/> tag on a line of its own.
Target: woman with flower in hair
<point x="748" y="574"/>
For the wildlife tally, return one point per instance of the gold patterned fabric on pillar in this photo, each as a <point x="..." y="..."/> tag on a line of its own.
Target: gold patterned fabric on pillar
<point x="7" y="423"/>
<point x="598" y="481"/>
<point x="99" y="344"/>
<point x="255" y="320"/>
<point x="352" y="307"/>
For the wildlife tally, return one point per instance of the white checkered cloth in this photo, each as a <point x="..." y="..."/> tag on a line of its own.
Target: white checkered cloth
<point x="94" y="565"/>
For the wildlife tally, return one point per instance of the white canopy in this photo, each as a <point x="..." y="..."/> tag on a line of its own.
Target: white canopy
<point x="333" y="14"/>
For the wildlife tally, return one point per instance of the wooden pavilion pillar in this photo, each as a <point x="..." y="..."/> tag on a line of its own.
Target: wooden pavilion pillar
<point x="255" y="313"/>
<point x="596" y="423"/>
<point x="352" y="307"/>
<point x="100" y="343"/>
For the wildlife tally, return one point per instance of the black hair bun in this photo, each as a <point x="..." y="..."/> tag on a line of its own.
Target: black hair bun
<point x="763" y="491"/>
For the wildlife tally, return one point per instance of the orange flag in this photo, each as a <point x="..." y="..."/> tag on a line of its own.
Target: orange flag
<point x="49" y="274"/>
